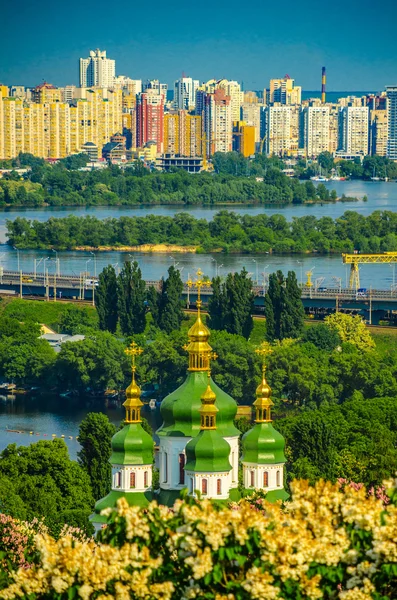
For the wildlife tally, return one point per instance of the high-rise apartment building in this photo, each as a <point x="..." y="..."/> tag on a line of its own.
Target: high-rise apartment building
<point x="171" y="133"/>
<point x="284" y="91"/>
<point x="217" y="122"/>
<point x="155" y="86"/>
<point x="46" y="92"/>
<point x="333" y="127"/>
<point x="182" y="134"/>
<point x="251" y="114"/>
<point x="243" y="138"/>
<point x="150" y="119"/>
<point x="128" y="85"/>
<point x="354" y="130"/>
<point x="316" y="130"/>
<point x="97" y="70"/>
<point x="391" y="93"/>
<point x="278" y="130"/>
<point x="378" y="125"/>
<point x="185" y="93"/>
<point x="57" y="129"/>
<point x="233" y="90"/>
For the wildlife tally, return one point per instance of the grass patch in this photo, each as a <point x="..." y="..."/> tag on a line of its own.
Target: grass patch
<point x="258" y="332"/>
<point x="48" y="313"/>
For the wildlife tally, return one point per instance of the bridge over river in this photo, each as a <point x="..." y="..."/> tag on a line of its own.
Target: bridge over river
<point x="373" y="304"/>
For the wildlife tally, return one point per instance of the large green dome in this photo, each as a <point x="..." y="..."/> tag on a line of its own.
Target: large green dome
<point x="132" y="445"/>
<point x="180" y="410"/>
<point x="208" y="452"/>
<point x="263" y="445"/>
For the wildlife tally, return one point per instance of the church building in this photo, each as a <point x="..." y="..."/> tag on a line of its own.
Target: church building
<point x="199" y="443"/>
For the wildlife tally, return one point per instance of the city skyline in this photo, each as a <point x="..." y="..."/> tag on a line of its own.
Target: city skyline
<point x="250" y="48"/>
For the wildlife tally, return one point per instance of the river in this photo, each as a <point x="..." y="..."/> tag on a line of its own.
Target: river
<point x="48" y="416"/>
<point x="381" y="196"/>
<point x="51" y="416"/>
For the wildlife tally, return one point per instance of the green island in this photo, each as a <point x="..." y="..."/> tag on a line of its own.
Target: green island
<point x="227" y="232"/>
<point x="234" y="181"/>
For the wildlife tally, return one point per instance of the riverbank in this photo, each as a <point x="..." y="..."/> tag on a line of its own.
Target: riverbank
<point x="157" y="248"/>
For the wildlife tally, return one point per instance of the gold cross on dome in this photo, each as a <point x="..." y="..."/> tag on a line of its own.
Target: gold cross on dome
<point x="199" y="283"/>
<point x="133" y="350"/>
<point x="263" y="350"/>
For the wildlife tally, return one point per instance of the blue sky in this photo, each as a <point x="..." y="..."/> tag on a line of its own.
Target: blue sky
<point x="249" y="41"/>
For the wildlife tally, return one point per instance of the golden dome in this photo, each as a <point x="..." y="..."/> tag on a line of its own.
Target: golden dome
<point x="198" y="331"/>
<point x="263" y="390"/>
<point x="209" y="396"/>
<point x="133" y="390"/>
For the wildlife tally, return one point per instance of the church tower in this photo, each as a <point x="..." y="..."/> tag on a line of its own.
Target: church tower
<point x="181" y="412"/>
<point x="207" y="455"/>
<point x="132" y="453"/>
<point x="262" y="446"/>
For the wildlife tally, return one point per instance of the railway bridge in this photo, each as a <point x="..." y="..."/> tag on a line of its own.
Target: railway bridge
<point x="373" y="305"/>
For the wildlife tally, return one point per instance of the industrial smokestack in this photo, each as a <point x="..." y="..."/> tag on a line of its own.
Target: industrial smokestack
<point x="323" y="82"/>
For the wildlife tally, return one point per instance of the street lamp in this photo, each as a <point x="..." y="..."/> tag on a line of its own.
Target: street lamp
<point x="48" y="258"/>
<point x="86" y="266"/>
<point x="57" y="267"/>
<point x="256" y="268"/>
<point x="394" y="274"/>
<point x="1" y="268"/>
<point x="17" y="257"/>
<point x="45" y="280"/>
<point x="301" y="267"/>
<point x="94" y="263"/>
<point x="36" y="262"/>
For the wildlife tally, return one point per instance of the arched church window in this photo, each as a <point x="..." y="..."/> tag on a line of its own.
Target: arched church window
<point x="133" y="415"/>
<point x="265" y="479"/>
<point x="132" y="480"/>
<point x="219" y="486"/>
<point x="181" y="468"/>
<point x="204" y="487"/>
<point x="145" y="479"/>
<point x="252" y="478"/>
<point x="278" y="478"/>
<point x="118" y="479"/>
<point x="191" y="485"/>
<point x="207" y="421"/>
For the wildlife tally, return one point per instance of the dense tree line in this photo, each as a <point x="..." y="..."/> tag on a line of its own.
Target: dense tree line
<point x="228" y="231"/>
<point x="283" y="307"/>
<point x="63" y="185"/>
<point x="231" y="305"/>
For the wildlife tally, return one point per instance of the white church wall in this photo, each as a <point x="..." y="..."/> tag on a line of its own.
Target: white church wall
<point x="254" y="476"/>
<point x="131" y="478"/>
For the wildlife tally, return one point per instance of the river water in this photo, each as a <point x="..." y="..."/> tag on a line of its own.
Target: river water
<point x="45" y="417"/>
<point x="381" y="196"/>
<point x="52" y="416"/>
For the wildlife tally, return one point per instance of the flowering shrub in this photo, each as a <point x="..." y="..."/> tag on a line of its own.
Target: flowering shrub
<point x="17" y="544"/>
<point x="327" y="542"/>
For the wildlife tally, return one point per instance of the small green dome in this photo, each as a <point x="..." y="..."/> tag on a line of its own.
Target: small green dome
<point x="132" y="445"/>
<point x="180" y="410"/>
<point x="208" y="452"/>
<point x="263" y="445"/>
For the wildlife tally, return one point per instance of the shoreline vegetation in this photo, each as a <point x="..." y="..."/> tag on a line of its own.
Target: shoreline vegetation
<point x="343" y="198"/>
<point x="259" y="181"/>
<point x="228" y="232"/>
